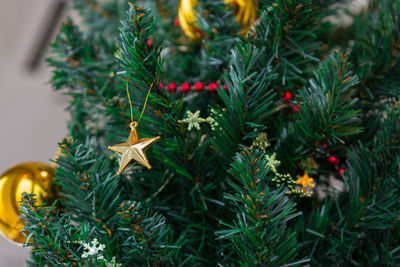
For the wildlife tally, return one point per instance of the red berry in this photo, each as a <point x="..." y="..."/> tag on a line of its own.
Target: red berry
<point x="288" y="97"/>
<point x="185" y="88"/>
<point x="325" y="145"/>
<point x="226" y="87"/>
<point x="172" y="87"/>
<point x="213" y="87"/>
<point x="150" y="42"/>
<point x="176" y="22"/>
<point x="296" y="110"/>
<point x="334" y="161"/>
<point x="199" y="86"/>
<point x="160" y="84"/>
<point x="298" y="105"/>
<point x="341" y="171"/>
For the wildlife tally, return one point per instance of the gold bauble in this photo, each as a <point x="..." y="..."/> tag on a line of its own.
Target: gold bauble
<point x="187" y="19"/>
<point x="245" y="12"/>
<point x="28" y="177"/>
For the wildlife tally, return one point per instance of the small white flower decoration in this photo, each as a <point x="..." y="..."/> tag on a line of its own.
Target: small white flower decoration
<point x="92" y="248"/>
<point x="193" y="120"/>
<point x="272" y="162"/>
<point x="113" y="263"/>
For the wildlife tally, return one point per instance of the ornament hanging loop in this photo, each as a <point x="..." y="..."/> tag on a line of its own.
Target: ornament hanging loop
<point x="133" y="125"/>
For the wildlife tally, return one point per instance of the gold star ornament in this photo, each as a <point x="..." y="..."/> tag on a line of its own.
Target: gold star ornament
<point x="133" y="150"/>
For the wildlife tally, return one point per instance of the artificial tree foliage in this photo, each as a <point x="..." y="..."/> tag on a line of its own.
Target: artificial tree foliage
<point x="240" y="177"/>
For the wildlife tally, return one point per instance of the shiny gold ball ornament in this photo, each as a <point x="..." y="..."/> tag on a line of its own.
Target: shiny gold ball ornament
<point x="245" y="12"/>
<point x="28" y="177"/>
<point x="187" y="16"/>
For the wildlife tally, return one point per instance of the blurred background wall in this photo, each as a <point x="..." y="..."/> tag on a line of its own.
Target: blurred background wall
<point x="32" y="116"/>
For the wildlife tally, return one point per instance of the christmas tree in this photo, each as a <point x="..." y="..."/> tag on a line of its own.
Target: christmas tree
<point x="279" y="132"/>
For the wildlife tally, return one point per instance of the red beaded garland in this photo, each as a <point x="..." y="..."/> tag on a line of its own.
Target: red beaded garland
<point x="185" y="88"/>
<point x="172" y="87"/>
<point x="199" y="86"/>
<point x="212" y="87"/>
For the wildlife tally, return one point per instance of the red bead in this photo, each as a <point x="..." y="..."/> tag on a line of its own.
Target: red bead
<point x="325" y="145"/>
<point x="185" y="88"/>
<point x="150" y="42"/>
<point x="172" y="87"/>
<point x="332" y="160"/>
<point x="160" y="84"/>
<point x="176" y="22"/>
<point x="226" y="87"/>
<point x="213" y="87"/>
<point x="298" y="105"/>
<point x="199" y="86"/>
<point x="296" y="110"/>
<point x="288" y="97"/>
<point x="341" y="171"/>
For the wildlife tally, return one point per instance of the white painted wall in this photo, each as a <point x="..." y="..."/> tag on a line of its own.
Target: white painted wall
<point x="32" y="116"/>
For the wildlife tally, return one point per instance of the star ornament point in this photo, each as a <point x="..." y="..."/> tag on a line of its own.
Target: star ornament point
<point x="133" y="150"/>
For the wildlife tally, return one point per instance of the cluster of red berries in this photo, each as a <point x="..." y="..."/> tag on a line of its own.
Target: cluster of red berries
<point x="186" y="87"/>
<point x="288" y="98"/>
<point x="334" y="161"/>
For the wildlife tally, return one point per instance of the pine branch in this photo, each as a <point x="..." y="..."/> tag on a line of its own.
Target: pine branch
<point x="88" y="186"/>
<point x="376" y="50"/>
<point x="84" y="68"/>
<point x="361" y="226"/>
<point x="259" y="235"/>
<point x="101" y="17"/>
<point x="247" y="104"/>
<point x="146" y="237"/>
<point x="327" y="112"/>
<point x="50" y="234"/>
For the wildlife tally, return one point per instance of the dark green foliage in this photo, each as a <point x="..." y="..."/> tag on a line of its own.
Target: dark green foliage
<point x="80" y="178"/>
<point x="101" y="17"/>
<point x="145" y="236"/>
<point x="361" y="227"/>
<point x="376" y="51"/>
<point x="259" y="235"/>
<point x="53" y="234"/>
<point x="327" y="111"/>
<point x="249" y="101"/>
<point x="93" y="205"/>
<point x="211" y="197"/>
<point x="85" y="66"/>
<point x="286" y="32"/>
